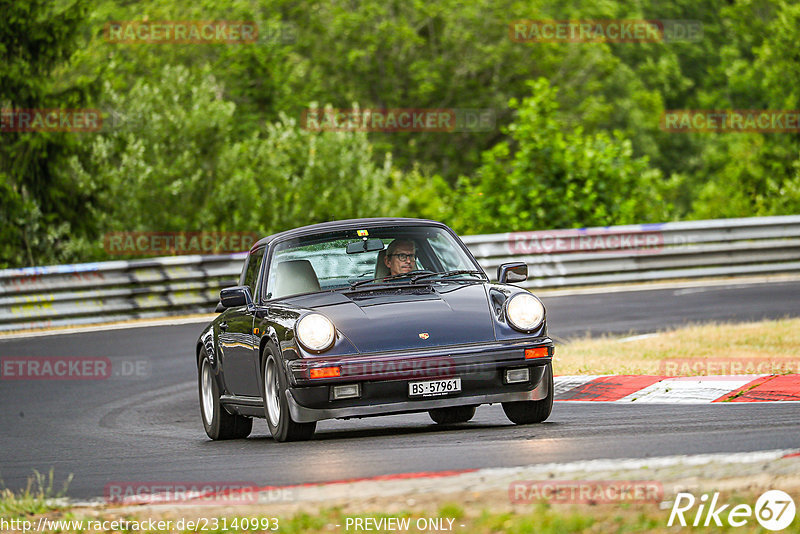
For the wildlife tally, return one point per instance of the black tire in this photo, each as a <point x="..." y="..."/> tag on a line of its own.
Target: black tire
<point x="528" y="412"/>
<point x="219" y="424"/>
<point x="276" y="407"/>
<point x="452" y="415"/>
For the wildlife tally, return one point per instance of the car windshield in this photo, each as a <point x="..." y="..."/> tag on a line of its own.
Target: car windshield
<point x="341" y="259"/>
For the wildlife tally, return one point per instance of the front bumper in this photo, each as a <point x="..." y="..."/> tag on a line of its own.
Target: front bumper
<point x="383" y="380"/>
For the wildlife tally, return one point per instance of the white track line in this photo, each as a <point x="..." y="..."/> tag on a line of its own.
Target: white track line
<point x="653" y="286"/>
<point x="166" y="321"/>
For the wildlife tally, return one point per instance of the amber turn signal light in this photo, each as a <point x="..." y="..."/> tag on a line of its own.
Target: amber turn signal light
<point x="325" y="372"/>
<point x="538" y="352"/>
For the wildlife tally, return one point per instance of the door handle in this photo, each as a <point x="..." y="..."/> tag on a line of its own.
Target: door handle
<point x="223" y="326"/>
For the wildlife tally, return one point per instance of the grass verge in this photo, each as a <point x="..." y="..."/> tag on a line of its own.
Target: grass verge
<point x="36" y="498"/>
<point x="761" y="347"/>
<point x="539" y="518"/>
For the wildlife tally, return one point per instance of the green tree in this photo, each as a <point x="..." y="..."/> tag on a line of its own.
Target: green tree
<point x="154" y="166"/>
<point x="215" y="120"/>
<point x="170" y="160"/>
<point x="40" y="207"/>
<point x="753" y="174"/>
<point x="544" y="177"/>
<point x="286" y="176"/>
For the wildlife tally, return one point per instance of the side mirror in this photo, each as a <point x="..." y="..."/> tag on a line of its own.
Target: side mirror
<point x="367" y="245"/>
<point x="512" y="272"/>
<point x="231" y="297"/>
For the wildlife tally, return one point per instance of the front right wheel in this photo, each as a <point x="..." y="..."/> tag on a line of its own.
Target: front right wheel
<point x="279" y="420"/>
<point x="528" y="412"/>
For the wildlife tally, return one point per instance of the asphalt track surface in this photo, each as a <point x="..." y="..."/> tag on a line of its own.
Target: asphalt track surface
<point x="146" y="427"/>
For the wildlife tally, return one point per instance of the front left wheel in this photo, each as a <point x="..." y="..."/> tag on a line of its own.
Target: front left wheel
<point x="219" y="424"/>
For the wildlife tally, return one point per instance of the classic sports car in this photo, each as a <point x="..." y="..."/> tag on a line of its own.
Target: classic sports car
<point x="370" y="317"/>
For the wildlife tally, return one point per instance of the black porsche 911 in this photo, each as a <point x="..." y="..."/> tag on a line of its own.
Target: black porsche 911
<point x="370" y="317"/>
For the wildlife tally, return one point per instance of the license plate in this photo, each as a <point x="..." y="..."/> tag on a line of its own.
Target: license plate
<point x="430" y="388"/>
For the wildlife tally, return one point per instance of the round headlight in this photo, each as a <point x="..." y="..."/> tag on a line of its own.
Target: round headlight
<point x="315" y="332"/>
<point x="525" y="312"/>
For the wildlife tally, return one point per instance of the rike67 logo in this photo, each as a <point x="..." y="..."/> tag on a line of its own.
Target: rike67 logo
<point x="774" y="510"/>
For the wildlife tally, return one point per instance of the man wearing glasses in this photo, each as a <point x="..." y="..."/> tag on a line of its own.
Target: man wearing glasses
<point x="400" y="257"/>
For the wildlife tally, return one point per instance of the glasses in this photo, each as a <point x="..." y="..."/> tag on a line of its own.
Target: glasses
<point x="404" y="257"/>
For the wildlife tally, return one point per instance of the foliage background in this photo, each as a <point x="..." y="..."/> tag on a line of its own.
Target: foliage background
<point x="207" y="136"/>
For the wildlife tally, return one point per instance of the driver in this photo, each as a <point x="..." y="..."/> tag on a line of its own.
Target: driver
<point x="400" y="257"/>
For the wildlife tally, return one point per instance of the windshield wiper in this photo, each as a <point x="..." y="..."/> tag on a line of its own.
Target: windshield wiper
<point x="421" y="272"/>
<point x="449" y="273"/>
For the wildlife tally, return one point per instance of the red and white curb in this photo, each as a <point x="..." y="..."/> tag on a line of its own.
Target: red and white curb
<point x="685" y="389"/>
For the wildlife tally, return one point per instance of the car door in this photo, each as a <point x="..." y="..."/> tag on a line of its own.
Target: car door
<point x="239" y="345"/>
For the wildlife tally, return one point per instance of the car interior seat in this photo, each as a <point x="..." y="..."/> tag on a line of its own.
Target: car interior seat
<point x="381" y="270"/>
<point x="293" y="277"/>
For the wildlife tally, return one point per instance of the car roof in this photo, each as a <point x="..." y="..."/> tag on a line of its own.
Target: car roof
<point x="346" y="224"/>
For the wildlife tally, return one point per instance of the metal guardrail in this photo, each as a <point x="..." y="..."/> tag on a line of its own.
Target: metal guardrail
<point x="639" y="253"/>
<point x="37" y="297"/>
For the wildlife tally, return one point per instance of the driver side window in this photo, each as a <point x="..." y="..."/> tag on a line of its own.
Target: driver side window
<point x="251" y="272"/>
<point x="445" y="250"/>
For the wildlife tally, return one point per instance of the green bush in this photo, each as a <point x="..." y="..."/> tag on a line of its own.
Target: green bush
<point x="544" y="177"/>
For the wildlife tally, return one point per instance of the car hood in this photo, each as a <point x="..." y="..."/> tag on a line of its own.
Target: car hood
<point x="408" y="317"/>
